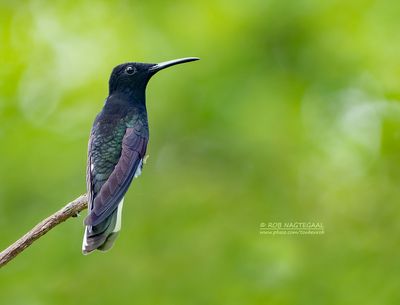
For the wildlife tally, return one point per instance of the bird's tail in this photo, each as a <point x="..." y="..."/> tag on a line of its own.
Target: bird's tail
<point x="103" y="235"/>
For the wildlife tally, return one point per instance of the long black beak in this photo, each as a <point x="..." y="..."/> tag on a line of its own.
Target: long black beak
<point x="170" y="63"/>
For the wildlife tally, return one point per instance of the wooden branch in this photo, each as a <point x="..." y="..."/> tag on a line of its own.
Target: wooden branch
<point x="72" y="209"/>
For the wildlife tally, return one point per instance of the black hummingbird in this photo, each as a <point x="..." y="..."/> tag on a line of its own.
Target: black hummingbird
<point x="117" y="147"/>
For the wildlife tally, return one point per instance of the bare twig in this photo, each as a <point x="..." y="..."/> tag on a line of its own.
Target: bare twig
<point x="70" y="210"/>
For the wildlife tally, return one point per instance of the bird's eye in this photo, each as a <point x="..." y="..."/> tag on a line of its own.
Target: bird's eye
<point x="130" y="70"/>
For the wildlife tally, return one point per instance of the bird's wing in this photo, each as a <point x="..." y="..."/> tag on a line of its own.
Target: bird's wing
<point x="89" y="185"/>
<point x="106" y="200"/>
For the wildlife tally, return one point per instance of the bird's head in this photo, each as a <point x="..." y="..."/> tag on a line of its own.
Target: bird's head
<point x="133" y="77"/>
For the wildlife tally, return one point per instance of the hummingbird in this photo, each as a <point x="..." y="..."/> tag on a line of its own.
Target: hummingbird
<point x="117" y="149"/>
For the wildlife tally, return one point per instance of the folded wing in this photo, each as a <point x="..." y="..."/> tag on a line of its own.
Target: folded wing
<point x="106" y="200"/>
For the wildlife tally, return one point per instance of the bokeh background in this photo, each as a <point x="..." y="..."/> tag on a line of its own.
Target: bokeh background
<point x="292" y="114"/>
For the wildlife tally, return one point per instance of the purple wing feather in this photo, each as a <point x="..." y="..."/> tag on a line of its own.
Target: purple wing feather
<point x="113" y="190"/>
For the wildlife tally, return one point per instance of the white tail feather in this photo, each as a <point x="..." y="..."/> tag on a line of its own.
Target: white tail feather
<point x="119" y="216"/>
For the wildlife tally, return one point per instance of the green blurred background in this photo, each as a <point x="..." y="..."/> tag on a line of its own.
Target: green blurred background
<point x="292" y="114"/>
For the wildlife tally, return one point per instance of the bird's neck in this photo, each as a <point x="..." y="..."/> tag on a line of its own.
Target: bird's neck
<point x="132" y="98"/>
